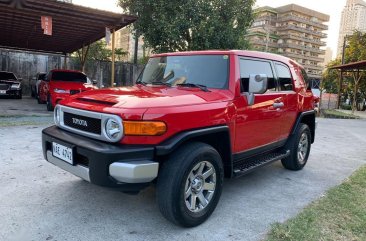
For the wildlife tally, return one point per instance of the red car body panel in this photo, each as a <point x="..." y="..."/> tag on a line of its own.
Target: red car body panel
<point x="183" y="108"/>
<point x="48" y="88"/>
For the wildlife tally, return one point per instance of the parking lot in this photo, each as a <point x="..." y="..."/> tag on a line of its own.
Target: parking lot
<point x="39" y="201"/>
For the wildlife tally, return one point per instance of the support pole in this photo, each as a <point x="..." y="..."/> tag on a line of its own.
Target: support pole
<point x="65" y="60"/>
<point x="136" y="48"/>
<point x="113" y="57"/>
<point x="340" y="89"/>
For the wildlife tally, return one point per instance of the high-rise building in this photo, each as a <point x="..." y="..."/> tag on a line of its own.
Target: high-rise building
<point x="353" y="18"/>
<point x="293" y="31"/>
<point x="125" y="40"/>
<point x="327" y="56"/>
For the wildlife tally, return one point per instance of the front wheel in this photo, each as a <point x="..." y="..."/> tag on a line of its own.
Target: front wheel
<point x="299" y="145"/>
<point x="189" y="184"/>
<point x="49" y="103"/>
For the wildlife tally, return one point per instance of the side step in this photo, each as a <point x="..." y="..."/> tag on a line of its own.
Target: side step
<point x="249" y="165"/>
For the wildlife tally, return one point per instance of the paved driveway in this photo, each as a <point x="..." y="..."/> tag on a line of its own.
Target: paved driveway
<point x="39" y="201"/>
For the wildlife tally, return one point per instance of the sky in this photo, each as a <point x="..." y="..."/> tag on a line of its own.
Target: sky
<point x="333" y="8"/>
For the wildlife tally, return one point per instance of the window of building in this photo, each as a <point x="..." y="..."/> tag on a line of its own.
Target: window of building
<point x="250" y="66"/>
<point x="284" y="77"/>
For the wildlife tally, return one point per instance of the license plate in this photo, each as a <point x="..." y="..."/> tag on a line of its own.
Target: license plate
<point x="62" y="152"/>
<point x="2" y="91"/>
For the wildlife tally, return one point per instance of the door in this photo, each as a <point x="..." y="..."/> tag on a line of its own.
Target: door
<point x="258" y="125"/>
<point x="289" y="97"/>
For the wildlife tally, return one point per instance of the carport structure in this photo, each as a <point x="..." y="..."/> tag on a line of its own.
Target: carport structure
<point x="358" y="71"/>
<point x="73" y="27"/>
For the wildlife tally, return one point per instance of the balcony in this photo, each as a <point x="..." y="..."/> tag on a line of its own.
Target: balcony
<point x="302" y="47"/>
<point x="313" y="67"/>
<point x="301" y="56"/>
<point x="263" y="43"/>
<point x="302" y="30"/>
<point x="302" y="20"/>
<point x="301" y="38"/>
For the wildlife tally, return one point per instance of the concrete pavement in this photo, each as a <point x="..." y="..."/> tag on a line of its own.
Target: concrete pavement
<point x="39" y="201"/>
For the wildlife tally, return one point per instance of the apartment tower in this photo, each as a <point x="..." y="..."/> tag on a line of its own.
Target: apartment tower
<point x="293" y="31"/>
<point x="353" y="18"/>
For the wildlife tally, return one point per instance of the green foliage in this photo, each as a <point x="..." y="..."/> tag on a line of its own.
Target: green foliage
<point x="99" y="51"/>
<point x="176" y="25"/>
<point x="356" y="50"/>
<point x="120" y="53"/>
<point x="330" y="79"/>
<point x="339" y="215"/>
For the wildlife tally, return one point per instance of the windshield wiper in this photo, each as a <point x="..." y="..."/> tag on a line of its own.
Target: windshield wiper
<point x="141" y="82"/>
<point x="160" y="83"/>
<point x="201" y="87"/>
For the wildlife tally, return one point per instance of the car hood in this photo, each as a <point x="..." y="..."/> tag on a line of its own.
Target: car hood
<point x="150" y="97"/>
<point x="9" y="82"/>
<point x="68" y="85"/>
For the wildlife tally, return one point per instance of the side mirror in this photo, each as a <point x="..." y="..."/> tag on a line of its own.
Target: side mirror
<point x="95" y="82"/>
<point x="257" y="85"/>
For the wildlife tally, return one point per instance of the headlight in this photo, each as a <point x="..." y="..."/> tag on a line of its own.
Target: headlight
<point x="61" y="91"/>
<point x="57" y="115"/>
<point x="15" y="86"/>
<point x="113" y="129"/>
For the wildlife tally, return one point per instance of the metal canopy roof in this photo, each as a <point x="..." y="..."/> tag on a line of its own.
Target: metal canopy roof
<point x="73" y="26"/>
<point x="361" y="65"/>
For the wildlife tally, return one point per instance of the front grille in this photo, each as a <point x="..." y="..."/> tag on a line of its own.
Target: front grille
<point x="83" y="123"/>
<point x="73" y="92"/>
<point x="4" y="86"/>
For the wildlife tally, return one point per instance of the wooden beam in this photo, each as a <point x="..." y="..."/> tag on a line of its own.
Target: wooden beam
<point x="113" y="57"/>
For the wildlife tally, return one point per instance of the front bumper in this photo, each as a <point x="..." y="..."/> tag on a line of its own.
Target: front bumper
<point x="128" y="168"/>
<point x="11" y="92"/>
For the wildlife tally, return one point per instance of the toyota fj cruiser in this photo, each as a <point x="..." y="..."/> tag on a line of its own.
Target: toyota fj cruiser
<point x="192" y="119"/>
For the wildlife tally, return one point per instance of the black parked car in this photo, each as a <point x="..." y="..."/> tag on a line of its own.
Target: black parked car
<point x="10" y="85"/>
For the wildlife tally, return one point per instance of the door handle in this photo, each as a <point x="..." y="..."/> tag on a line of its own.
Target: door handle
<point x="278" y="105"/>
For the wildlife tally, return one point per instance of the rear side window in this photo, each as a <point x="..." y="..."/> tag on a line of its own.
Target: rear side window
<point x="250" y="66"/>
<point x="284" y="77"/>
<point x="69" y="76"/>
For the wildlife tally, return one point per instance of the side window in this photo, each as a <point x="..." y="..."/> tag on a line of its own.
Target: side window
<point x="284" y="77"/>
<point x="249" y="66"/>
<point x="305" y="77"/>
<point x="48" y="77"/>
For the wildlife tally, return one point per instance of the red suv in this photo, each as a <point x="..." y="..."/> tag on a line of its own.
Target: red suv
<point x="192" y="119"/>
<point x="60" y="83"/>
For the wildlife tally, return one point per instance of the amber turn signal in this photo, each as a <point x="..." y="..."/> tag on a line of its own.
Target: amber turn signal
<point x="144" y="128"/>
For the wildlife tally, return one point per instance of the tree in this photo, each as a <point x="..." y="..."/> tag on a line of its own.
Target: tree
<point x="99" y="51"/>
<point x="330" y="78"/>
<point x="355" y="52"/>
<point x="176" y="25"/>
<point x="120" y="53"/>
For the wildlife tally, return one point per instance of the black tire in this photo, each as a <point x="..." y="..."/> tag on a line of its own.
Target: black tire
<point x="296" y="161"/>
<point x="174" y="178"/>
<point x="33" y="93"/>
<point x="19" y="95"/>
<point x="39" y="101"/>
<point x="49" y="104"/>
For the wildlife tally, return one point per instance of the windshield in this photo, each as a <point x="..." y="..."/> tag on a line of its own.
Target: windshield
<point x="41" y="76"/>
<point x="69" y="76"/>
<point x="7" y="76"/>
<point x="205" y="70"/>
